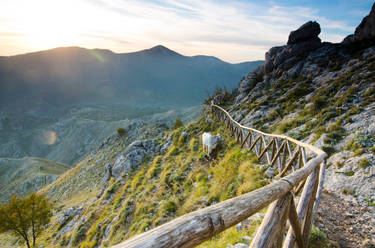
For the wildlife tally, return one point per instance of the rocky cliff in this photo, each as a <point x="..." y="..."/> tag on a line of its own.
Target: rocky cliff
<point x="323" y="93"/>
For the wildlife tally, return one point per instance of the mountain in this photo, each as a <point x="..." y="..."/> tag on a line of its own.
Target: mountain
<point x="70" y="75"/>
<point x="80" y="96"/>
<point x="28" y="174"/>
<point x="318" y="92"/>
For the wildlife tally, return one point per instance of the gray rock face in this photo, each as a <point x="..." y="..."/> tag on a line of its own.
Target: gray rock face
<point x="164" y="148"/>
<point x="309" y="30"/>
<point x="285" y="56"/>
<point x="132" y="157"/>
<point x="301" y="41"/>
<point x="365" y="30"/>
<point x="249" y="81"/>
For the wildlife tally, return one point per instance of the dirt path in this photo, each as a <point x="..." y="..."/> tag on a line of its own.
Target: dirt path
<point x="347" y="225"/>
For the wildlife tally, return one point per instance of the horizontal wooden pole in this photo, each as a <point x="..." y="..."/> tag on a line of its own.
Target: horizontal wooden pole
<point x="194" y="228"/>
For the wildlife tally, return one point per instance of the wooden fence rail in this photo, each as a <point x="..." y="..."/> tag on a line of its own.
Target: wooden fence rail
<point x="299" y="166"/>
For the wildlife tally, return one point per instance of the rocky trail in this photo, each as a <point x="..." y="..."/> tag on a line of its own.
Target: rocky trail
<point x="347" y="224"/>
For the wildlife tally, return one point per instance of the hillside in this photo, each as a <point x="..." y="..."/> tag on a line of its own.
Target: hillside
<point x="27" y="174"/>
<point x="61" y="103"/>
<point x="69" y="137"/>
<point x="318" y="92"/>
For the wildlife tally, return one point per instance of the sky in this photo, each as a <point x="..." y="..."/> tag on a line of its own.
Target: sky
<point x="232" y="30"/>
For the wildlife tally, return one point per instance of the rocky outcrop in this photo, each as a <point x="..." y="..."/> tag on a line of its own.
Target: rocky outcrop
<point x="133" y="156"/>
<point x="249" y="81"/>
<point x="308" y="31"/>
<point x="300" y="42"/>
<point x="365" y="31"/>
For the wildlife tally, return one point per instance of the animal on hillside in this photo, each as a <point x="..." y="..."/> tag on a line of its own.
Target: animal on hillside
<point x="210" y="142"/>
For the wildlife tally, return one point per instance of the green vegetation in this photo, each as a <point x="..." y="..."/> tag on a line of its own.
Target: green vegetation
<point x="26" y="217"/>
<point x="370" y="202"/>
<point x="363" y="163"/>
<point x="348" y="173"/>
<point x="335" y="132"/>
<point x="121" y="131"/>
<point x="182" y="180"/>
<point x="178" y="123"/>
<point x="318" y="239"/>
<point x="347" y="191"/>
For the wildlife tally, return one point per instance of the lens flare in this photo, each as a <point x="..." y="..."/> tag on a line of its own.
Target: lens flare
<point x="49" y="137"/>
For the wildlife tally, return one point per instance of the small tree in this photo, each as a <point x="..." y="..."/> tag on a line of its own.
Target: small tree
<point x="26" y="217"/>
<point x="121" y="131"/>
<point x="178" y="123"/>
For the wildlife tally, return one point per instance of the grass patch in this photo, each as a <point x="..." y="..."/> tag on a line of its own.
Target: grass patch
<point x="318" y="239"/>
<point x="363" y="163"/>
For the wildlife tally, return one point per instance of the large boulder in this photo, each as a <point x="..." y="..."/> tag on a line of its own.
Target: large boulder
<point x="132" y="157"/>
<point x="309" y="30"/>
<point x="300" y="42"/>
<point x="365" y="30"/>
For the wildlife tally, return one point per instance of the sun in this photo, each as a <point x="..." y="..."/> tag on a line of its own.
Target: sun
<point x="52" y="23"/>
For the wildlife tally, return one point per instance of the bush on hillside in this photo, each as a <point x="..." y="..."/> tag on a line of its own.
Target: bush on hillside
<point x="121" y="131"/>
<point x="178" y="123"/>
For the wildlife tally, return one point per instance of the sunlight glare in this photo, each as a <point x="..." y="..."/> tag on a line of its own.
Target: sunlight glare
<point x="51" y="23"/>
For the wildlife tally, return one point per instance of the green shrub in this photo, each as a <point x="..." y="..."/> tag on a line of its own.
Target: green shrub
<point x="173" y="151"/>
<point x="318" y="239"/>
<point x="369" y="92"/>
<point x="347" y="191"/>
<point x="178" y="123"/>
<point x="168" y="207"/>
<point x="363" y="163"/>
<point x="358" y="152"/>
<point x="295" y="94"/>
<point x="287" y="126"/>
<point x="372" y="149"/>
<point x="329" y="150"/>
<point x="318" y="103"/>
<point x="354" y="110"/>
<point x="335" y="132"/>
<point x="348" y="173"/>
<point x="155" y="168"/>
<point x="181" y="140"/>
<point x="121" y="131"/>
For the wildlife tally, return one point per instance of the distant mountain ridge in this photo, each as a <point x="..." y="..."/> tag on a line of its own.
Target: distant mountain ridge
<point x="68" y="75"/>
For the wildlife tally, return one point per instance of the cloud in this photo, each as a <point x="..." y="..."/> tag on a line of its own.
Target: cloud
<point x="231" y="30"/>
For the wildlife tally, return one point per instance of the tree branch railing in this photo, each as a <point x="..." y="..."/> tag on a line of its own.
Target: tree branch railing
<point x="299" y="166"/>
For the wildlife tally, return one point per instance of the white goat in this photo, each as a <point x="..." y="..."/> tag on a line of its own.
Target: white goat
<point x="210" y="142"/>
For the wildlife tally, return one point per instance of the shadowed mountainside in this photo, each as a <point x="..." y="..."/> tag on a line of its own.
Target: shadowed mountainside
<point x="158" y="76"/>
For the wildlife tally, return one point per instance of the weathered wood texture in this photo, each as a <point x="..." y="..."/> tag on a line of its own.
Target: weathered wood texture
<point x="271" y="231"/>
<point x="194" y="228"/>
<point x="307" y="197"/>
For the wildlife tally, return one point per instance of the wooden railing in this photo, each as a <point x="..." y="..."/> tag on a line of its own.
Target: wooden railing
<point x="299" y="166"/>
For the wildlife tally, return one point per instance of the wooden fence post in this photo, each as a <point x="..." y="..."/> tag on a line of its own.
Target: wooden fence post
<point x="271" y="231"/>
